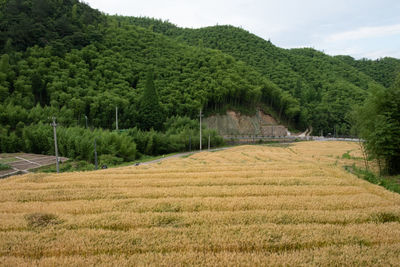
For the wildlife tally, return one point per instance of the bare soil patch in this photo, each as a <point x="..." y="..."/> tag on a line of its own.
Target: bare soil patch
<point x="24" y="162"/>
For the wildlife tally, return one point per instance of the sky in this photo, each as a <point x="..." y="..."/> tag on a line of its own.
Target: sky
<point x="359" y="28"/>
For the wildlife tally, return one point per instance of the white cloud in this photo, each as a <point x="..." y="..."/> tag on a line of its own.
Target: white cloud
<point x="364" y="32"/>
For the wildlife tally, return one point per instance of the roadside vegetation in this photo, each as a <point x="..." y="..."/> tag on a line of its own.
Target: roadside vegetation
<point x="391" y="183"/>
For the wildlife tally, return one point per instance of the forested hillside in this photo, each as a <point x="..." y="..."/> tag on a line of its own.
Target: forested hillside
<point x="326" y="87"/>
<point x="382" y="70"/>
<point x="61" y="24"/>
<point x="41" y="82"/>
<point x="64" y="59"/>
<point x="95" y="79"/>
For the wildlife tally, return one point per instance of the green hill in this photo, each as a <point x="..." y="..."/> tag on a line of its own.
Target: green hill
<point x="96" y="78"/>
<point x="71" y="82"/>
<point x="326" y="87"/>
<point x="67" y="60"/>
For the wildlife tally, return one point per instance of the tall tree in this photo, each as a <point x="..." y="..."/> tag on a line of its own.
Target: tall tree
<point x="151" y="113"/>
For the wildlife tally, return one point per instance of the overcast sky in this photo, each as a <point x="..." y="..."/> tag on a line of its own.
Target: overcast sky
<point x="360" y="28"/>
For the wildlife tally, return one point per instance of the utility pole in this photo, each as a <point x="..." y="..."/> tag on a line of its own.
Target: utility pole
<point x="55" y="142"/>
<point x="200" y="129"/>
<point x="208" y="141"/>
<point x="86" y="121"/>
<point x="95" y="155"/>
<point x="116" y="118"/>
<point x="190" y="142"/>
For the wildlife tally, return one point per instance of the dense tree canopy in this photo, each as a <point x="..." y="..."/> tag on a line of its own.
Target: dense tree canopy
<point x="62" y="25"/>
<point x="326" y="87"/>
<point x="383" y="70"/>
<point x="378" y="122"/>
<point x="93" y="80"/>
<point x="151" y="114"/>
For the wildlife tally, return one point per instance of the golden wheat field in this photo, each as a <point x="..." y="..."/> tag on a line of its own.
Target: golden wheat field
<point x="248" y="206"/>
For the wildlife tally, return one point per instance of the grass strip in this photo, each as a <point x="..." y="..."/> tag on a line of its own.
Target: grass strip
<point x="391" y="183"/>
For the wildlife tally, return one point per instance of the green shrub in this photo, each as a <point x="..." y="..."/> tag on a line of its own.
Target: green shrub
<point x="4" y="167"/>
<point x="346" y="155"/>
<point x="390" y="183"/>
<point x="109" y="160"/>
<point x="78" y="143"/>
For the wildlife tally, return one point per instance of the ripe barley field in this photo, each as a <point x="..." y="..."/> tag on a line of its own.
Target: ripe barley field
<point x="248" y="206"/>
